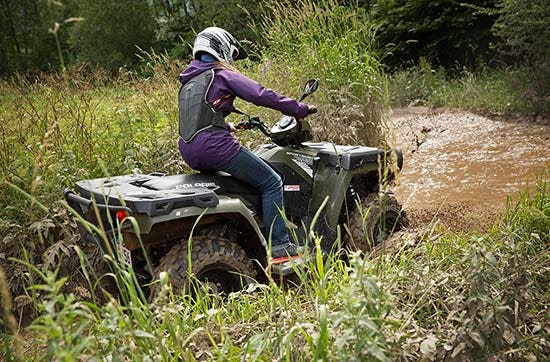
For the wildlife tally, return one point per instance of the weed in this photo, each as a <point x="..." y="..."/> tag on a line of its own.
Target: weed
<point x="7" y="305"/>
<point x="331" y="42"/>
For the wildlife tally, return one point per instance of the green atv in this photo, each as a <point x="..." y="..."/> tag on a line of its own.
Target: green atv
<point x="216" y="220"/>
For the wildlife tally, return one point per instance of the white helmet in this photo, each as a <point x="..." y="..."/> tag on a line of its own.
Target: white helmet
<point x="219" y="43"/>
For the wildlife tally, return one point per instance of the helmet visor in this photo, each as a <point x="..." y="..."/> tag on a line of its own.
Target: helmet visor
<point x="237" y="52"/>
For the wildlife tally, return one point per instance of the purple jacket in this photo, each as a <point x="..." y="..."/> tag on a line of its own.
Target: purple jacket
<point x="211" y="150"/>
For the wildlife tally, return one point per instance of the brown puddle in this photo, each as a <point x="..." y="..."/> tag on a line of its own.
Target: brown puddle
<point x="458" y="160"/>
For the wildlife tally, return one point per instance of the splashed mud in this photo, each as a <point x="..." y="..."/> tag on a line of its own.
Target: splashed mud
<point x="460" y="167"/>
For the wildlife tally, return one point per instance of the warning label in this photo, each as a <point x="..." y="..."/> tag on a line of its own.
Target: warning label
<point x="292" y="188"/>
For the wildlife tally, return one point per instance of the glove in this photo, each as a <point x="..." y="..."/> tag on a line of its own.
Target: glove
<point x="312" y="110"/>
<point x="231" y="127"/>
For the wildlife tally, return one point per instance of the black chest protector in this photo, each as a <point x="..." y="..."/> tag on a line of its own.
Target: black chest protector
<point x="195" y="113"/>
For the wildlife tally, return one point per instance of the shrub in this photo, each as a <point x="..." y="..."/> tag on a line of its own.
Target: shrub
<point x="524" y="31"/>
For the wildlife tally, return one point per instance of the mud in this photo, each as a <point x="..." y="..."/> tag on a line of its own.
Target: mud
<point x="460" y="167"/>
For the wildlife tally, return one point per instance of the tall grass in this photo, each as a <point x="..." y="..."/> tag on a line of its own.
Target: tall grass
<point x="55" y="132"/>
<point x="437" y="297"/>
<point x="331" y="42"/>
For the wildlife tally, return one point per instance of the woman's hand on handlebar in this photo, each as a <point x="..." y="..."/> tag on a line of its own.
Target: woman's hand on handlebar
<point x="242" y="125"/>
<point x="311" y="110"/>
<point x="231" y="128"/>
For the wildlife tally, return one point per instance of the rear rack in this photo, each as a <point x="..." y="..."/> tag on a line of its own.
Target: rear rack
<point x="125" y="191"/>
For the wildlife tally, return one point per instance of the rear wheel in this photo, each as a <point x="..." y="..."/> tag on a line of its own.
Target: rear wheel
<point x="371" y="224"/>
<point x="219" y="263"/>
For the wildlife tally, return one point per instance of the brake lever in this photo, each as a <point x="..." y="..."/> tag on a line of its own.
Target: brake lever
<point x="253" y="123"/>
<point x="242" y="125"/>
<point x="257" y="123"/>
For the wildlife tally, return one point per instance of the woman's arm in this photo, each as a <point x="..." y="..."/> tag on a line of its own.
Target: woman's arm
<point x="251" y="91"/>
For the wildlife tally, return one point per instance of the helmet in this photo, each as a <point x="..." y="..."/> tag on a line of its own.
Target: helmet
<point x="219" y="43"/>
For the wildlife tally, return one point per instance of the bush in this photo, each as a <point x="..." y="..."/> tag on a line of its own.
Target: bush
<point x="485" y="90"/>
<point x="524" y="30"/>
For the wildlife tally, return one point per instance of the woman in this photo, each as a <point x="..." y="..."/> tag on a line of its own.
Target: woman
<point x="210" y="84"/>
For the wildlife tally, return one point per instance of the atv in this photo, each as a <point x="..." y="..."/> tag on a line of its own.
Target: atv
<point x="214" y="221"/>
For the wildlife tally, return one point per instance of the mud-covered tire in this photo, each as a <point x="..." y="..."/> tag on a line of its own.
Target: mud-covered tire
<point x="221" y="263"/>
<point x="379" y="216"/>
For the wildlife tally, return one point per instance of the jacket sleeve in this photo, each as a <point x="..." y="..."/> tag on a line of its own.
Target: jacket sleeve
<point x="253" y="92"/>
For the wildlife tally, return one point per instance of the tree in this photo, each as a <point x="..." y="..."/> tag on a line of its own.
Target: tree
<point x="25" y="42"/>
<point x="446" y="32"/>
<point x="523" y="27"/>
<point x="112" y="31"/>
<point x="178" y="21"/>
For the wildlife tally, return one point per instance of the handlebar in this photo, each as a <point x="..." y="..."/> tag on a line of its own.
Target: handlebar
<point x="255" y="122"/>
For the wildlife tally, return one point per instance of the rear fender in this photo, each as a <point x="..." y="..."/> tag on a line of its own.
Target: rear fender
<point x="228" y="208"/>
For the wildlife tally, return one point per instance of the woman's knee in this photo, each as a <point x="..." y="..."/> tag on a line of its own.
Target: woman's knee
<point x="274" y="183"/>
<point x="277" y="181"/>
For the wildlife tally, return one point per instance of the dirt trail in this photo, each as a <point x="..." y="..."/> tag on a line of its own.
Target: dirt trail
<point x="460" y="167"/>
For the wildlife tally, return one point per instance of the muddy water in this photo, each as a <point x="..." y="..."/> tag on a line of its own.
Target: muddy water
<point x="458" y="158"/>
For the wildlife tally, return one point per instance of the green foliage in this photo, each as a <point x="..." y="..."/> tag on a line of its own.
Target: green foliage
<point x="524" y="31"/>
<point x="111" y="31"/>
<point x="333" y="43"/>
<point x="529" y="216"/>
<point x="177" y="22"/>
<point x="521" y="29"/>
<point x="76" y="127"/>
<point x="439" y="296"/>
<point x="447" y="32"/>
<point x="25" y="42"/>
<point x="333" y="39"/>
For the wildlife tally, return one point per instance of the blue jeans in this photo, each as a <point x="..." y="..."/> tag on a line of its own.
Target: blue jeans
<point x="249" y="168"/>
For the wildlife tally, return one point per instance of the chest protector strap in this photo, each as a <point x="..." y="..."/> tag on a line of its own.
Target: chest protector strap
<point x="195" y="113"/>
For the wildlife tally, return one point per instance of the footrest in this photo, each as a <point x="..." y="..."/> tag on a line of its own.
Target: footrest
<point x="285" y="266"/>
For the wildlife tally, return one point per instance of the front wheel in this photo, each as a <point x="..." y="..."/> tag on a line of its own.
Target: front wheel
<point x="373" y="221"/>
<point x="219" y="263"/>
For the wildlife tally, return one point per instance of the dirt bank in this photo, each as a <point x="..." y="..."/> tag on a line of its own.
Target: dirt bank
<point x="460" y="167"/>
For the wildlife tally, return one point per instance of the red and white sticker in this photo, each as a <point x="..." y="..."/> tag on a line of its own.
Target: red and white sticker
<point x="292" y="187"/>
